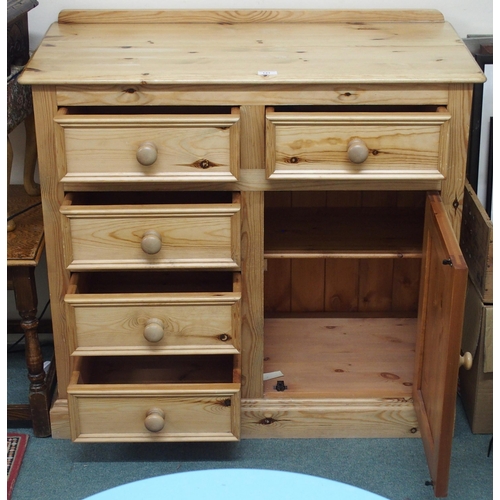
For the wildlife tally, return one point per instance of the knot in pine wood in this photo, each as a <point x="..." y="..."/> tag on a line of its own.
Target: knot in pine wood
<point x="267" y="421"/>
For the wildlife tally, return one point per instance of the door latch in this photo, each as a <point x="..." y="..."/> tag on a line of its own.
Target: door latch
<point x="280" y="386"/>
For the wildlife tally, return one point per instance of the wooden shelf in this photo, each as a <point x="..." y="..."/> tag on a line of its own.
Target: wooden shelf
<point x="340" y="357"/>
<point x="343" y="233"/>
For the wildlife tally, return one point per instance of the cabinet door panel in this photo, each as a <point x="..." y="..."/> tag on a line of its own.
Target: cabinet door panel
<point x="441" y="309"/>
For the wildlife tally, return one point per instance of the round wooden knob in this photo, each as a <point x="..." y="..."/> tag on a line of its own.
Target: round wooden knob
<point x="155" y="420"/>
<point x="466" y="361"/>
<point x="153" y="331"/>
<point x="357" y="151"/>
<point x="151" y="242"/>
<point x="147" y="153"/>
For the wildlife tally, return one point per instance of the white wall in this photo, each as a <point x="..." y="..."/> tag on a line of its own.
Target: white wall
<point x="467" y="17"/>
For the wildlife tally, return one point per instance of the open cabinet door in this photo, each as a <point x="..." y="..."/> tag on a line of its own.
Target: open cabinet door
<point x="441" y="310"/>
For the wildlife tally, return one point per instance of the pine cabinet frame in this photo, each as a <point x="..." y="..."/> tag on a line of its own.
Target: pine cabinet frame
<point x="285" y="117"/>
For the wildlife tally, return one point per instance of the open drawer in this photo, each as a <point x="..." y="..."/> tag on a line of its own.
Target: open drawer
<point x="152" y="230"/>
<point x="161" y="398"/>
<point x="151" y="313"/>
<point x="357" y="145"/>
<point x="153" y="144"/>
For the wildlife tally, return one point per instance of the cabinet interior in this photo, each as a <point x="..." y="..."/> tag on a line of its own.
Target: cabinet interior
<point x="145" y="110"/>
<point x="346" y="108"/>
<point x="341" y="292"/>
<point x="152" y="282"/>
<point x="157" y="370"/>
<point x="141" y="198"/>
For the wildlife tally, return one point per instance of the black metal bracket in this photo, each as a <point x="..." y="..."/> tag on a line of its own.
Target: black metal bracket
<point x="280" y="386"/>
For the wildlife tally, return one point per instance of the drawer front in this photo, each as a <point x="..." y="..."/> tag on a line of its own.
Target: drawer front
<point x="146" y="324"/>
<point x="146" y="237"/>
<point x="357" y="146"/>
<point x="150" y="148"/>
<point x="210" y="414"/>
<point x="158" y="398"/>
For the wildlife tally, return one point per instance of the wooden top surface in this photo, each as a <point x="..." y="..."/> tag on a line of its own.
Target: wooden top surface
<point x="296" y="47"/>
<point x="25" y="243"/>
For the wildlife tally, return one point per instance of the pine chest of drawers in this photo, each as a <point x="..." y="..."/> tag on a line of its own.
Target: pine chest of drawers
<point x="252" y="234"/>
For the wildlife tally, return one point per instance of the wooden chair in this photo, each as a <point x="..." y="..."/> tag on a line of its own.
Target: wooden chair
<point x="25" y="246"/>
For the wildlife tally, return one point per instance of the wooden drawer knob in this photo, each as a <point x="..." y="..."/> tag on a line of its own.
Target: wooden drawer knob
<point x="153" y="331"/>
<point x="151" y="242"/>
<point x="155" y="420"/>
<point x="357" y="151"/>
<point x="466" y="361"/>
<point x="147" y="153"/>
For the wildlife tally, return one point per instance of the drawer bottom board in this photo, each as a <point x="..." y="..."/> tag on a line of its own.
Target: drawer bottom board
<point x="343" y="418"/>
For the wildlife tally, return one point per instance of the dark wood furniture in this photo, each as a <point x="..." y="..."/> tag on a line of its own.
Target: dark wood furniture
<point x="19" y="101"/>
<point x="24" y="249"/>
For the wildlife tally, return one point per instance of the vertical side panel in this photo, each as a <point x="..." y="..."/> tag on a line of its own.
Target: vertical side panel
<point x="52" y="166"/>
<point x="252" y="255"/>
<point x="459" y="106"/>
<point x="252" y="305"/>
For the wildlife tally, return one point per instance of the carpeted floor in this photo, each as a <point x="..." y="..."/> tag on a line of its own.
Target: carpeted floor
<point x="393" y="468"/>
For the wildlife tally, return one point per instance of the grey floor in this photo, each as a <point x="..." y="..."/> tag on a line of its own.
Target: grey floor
<point x="393" y="468"/>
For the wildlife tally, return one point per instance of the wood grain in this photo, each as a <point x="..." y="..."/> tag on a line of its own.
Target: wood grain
<point x="350" y="245"/>
<point x="437" y="350"/>
<point x="104" y="408"/>
<point x="323" y="357"/>
<point x="315" y="144"/>
<point x="476" y="242"/>
<point x="202" y="16"/>
<point x="366" y="232"/>
<point x="318" y="53"/>
<point x="26" y="243"/>
<point x="199" y="147"/>
<point x="192" y="323"/>
<point x="250" y="95"/>
<point x="328" y="418"/>
<point x="109" y="236"/>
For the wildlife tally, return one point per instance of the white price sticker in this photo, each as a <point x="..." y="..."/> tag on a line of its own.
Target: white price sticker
<point x="267" y="73"/>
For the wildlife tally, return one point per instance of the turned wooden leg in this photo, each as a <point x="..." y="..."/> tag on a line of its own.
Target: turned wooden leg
<point x="11" y="225"/>
<point x="23" y="279"/>
<point x="30" y="157"/>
